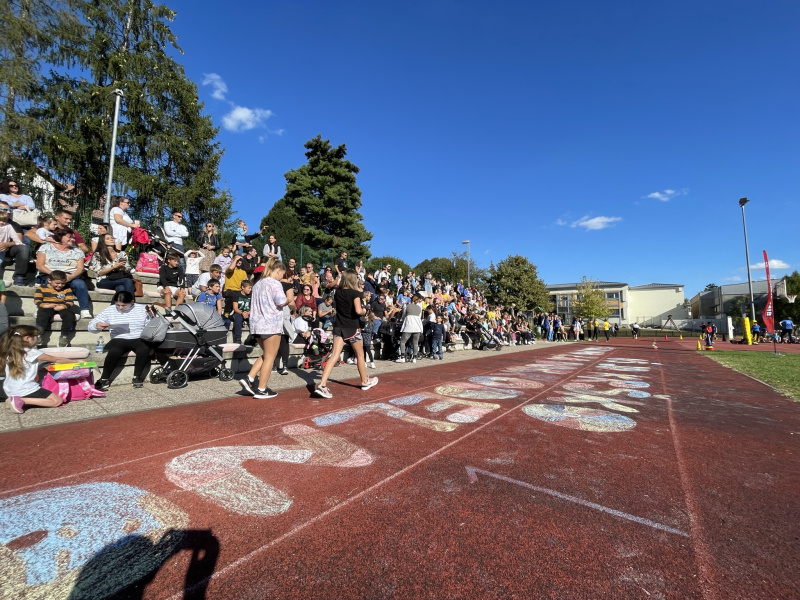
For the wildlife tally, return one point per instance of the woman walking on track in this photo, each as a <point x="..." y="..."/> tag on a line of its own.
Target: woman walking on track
<point x="347" y="329"/>
<point x="266" y="324"/>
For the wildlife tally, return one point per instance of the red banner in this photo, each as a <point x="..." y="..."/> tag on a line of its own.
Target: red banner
<point x="767" y="314"/>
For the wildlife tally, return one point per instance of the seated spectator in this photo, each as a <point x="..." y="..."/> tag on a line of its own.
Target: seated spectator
<point x="19" y="354"/>
<point x="124" y="320"/>
<point x="112" y="268"/>
<point x="250" y="261"/>
<point x="302" y="325"/>
<point x="61" y="255"/>
<point x="102" y="229"/>
<point x="241" y="311"/>
<point x="212" y="296"/>
<point x="194" y="258"/>
<point x="306" y="298"/>
<point x="326" y="312"/>
<point x="3" y="310"/>
<point x="42" y="234"/>
<point x="64" y="219"/>
<point x="172" y="281"/>
<point x="202" y="282"/>
<point x="53" y="299"/>
<point x="11" y="244"/>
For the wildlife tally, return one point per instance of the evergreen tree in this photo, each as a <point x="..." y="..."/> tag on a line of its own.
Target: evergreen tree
<point x="515" y="280"/>
<point x="324" y="196"/>
<point x="591" y="301"/>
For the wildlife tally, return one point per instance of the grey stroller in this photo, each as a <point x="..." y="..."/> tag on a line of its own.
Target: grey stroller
<point x="192" y="346"/>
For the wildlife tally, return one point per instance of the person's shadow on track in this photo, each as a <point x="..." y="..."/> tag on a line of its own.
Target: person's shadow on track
<point x="124" y="569"/>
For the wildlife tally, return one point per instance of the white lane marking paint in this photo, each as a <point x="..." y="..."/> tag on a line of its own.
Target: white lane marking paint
<point x="472" y="473"/>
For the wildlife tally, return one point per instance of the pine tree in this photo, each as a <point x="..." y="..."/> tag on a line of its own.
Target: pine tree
<point x="591" y="301"/>
<point x="515" y="280"/>
<point x="324" y="196"/>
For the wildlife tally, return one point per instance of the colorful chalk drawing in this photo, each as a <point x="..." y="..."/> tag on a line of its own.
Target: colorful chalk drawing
<point x="474" y="391"/>
<point x="588" y="399"/>
<point x="386" y="410"/>
<point x="576" y="417"/>
<point x="46" y="537"/>
<point x="506" y="382"/>
<point x="217" y="474"/>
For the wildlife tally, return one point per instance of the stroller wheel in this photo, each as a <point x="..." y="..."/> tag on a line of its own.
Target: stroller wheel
<point x="177" y="379"/>
<point x="157" y="375"/>
<point x="225" y="374"/>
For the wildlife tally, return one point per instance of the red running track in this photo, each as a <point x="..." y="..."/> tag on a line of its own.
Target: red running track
<point x="585" y="471"/>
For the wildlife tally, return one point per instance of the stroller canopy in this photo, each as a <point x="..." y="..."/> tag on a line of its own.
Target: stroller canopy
<point x="202" y="315"/>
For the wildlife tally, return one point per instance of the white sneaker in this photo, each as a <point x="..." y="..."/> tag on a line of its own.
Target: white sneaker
<point x="86" y="314"/>
<point x="401" y="359"/>
<point x="351" y="361"/>
<point x="371" y="382"/>
<point x="413" y="360"/>
<point x="371" y="365"/>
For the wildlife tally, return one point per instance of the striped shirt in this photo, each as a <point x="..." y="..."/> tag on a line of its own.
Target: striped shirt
<point x="126" y="325"/>
<point x="48" y="295"/>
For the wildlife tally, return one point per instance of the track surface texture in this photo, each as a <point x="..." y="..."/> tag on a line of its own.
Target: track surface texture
<point x="584" y="470"/>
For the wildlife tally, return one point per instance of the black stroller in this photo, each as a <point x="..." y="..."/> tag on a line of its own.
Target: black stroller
<point x="191" y="347"/>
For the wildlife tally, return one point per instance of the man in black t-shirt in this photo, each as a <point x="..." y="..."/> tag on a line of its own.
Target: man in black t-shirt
<point x="341" y="264"/>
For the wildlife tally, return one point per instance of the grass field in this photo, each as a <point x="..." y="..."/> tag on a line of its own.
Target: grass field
<point x="781" y="372"/>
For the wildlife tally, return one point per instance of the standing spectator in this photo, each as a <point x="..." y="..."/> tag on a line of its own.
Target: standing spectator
<point x="55" y="299"/>
<point x="11" y="244"/>
<point x="266" y="324"/>
<point x="64" y="219"/>
<point x="224" y="259"/>
<point x="607" y="329"/>
<point x="193" y="260"/>
<point x="121" y="223"/>
<point x="124" y="320"/>
<point x="250" y="261"/>
<point x="411" y="329"/>
<point x="349" y="310"/>
<point x="340" y="264"/>
<point x="596" y="325"/>
<point x="241" y="311"/>
<point x="616" y="329"/>
<point x="272" y="249"/>
<point x="234" y="276"/>
<point x="429" y="282"/>
<point x="361" y="271"/>
<point x="176" y="231"/>
<point x="288" y="333"/>
<point x="172" y="281"/>
<point x="61" y="255"/>
<point x="367" y="334"/>
<point x="111" y="267"/>
<point x="11" y="193"/>
<point x="437" y="332"/>
<point x="208" y="240"/>
<point x="787" y="329"/>
<point x="635" y="331"/>
<point x="398" y="279"/>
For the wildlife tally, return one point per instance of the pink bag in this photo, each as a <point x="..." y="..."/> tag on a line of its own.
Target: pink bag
<point x="147" y="263"/>
<point x="72" y="389"/>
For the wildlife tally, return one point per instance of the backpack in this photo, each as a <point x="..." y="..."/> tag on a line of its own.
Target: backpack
<point x="147" y="263"/>
<point x="71" y="382"/>
<point x="155" y="330"/>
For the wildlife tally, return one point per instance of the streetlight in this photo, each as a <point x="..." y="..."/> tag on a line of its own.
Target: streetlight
<point x="742" y="202"/>
<point x="119" y="94"/>
<point x="468" y="261"/>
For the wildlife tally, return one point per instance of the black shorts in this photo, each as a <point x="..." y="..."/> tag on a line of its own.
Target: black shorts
<point x="40" y="393"/>
<point x="348" y="335"/>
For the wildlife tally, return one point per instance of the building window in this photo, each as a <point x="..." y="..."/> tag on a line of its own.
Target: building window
<point x="612" y="295"/>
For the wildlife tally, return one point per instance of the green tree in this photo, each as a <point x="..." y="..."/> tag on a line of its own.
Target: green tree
<point x="591" y="301"/>
<point x="453" y="269"/>
<point x="376" y="262"/>
<point x="785" y="309"/>
<point x="710" y="286"/>
<point x="324" y="196"/>
<point x="515" y="280"/>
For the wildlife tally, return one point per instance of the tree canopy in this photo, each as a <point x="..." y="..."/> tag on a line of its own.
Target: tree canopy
<point x="591" y="301"/>
<point x="515" y="280"/>
<point x="453" y="268"/>
<point x="324" y="196"/>
<point x="377" y="262"/>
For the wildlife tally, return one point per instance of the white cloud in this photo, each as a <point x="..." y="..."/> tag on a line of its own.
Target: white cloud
<point x="487" y="252"/>
<point x="219" y="88"/>
<point x="774" y="263"/>
<point x="734" y="278"/>
<point x="242" y="118"/>
<point x="595" y="222"/>
<point x="560" y="222"/>
<point x="667" y="195"/>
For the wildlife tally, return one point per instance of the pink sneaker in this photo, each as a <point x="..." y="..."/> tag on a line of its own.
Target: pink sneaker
<point x="17" y="404"/>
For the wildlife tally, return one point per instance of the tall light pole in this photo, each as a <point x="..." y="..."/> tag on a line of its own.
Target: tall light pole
<point x="468" y="261"/>
<point x="742" y="202"/>
<point x="119" y="94"/>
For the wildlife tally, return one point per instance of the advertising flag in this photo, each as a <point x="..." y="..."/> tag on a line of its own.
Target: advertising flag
<point x="767" y="316"/>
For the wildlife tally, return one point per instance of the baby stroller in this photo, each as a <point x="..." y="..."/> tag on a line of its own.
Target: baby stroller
<point x="191" y="347"/>
<point x="160" y="245"/>
<point x="317" y="349"/>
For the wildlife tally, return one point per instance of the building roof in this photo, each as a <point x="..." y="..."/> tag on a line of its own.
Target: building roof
<point x="574" y="286"/>
<point x="653" y="286"/>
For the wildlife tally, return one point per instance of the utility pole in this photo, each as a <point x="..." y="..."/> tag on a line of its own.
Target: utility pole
<point x="742" y="202"/>
<point x="119" y="95"/>
<point x="469" y="285"/>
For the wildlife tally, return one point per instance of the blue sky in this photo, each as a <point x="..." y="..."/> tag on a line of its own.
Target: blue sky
<point x="611" y="140"/>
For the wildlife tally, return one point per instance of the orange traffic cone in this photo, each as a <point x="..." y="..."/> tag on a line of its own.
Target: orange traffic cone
<point x="665" y="336"/>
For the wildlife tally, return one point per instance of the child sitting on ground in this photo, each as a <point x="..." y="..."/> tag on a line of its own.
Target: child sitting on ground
<point x="55" y="298"/>
<point x="241" y="310"/>
<point x="18" y="352"/>
<point x="171" y="280"/>
<point x="212" y="295"/>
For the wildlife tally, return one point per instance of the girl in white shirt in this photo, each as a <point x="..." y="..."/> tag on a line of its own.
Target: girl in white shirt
<point x="193" y="260"/>
<point x="18" y="352"/>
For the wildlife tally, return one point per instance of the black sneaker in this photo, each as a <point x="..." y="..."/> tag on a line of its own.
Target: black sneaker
<point x="247" y="385"/>
<point x="103" y="385"/>
<point x="264" y="394"/>
<point x="137" y="383"/>
<point x="284" y="371"/>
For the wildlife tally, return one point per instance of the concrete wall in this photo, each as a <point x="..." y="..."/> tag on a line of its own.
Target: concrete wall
<point x="655" y="304"/>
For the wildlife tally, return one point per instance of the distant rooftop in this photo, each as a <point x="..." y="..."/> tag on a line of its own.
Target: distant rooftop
<point x="573" y="286"/>
<point x="651" y="286"/>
